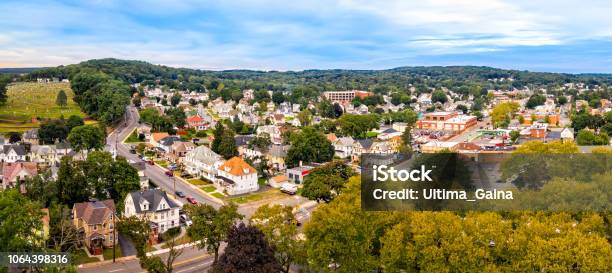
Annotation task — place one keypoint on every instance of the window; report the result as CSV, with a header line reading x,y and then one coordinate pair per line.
x,y
95,227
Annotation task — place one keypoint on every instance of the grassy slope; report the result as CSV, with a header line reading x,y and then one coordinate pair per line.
x,y
27,100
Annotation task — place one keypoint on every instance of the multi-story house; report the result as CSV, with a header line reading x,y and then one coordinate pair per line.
x,y
202,162
235,176
344,147
13,153
196,122
16,172
43,154
155,206
95,223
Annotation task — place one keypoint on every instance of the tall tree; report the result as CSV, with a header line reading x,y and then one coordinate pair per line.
x,y
277,222
218,136
307,146
87,137
227,147
247,251
20,223
4,81
61,100
210,227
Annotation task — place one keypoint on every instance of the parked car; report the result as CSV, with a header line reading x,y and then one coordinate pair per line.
x,y
289,188
133,151
180,194
169,173
185,220
150,162
192,200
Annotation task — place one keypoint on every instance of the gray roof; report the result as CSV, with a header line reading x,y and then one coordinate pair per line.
x,y
278,150
243,140
19,150
365,143
153,196
203,154
169,140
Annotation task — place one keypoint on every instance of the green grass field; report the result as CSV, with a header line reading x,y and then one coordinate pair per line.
x,y
34,100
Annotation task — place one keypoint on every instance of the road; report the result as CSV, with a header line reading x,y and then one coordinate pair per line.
x,y
192,260
153,172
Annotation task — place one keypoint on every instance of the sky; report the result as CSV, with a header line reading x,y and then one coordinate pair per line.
x,y
556,36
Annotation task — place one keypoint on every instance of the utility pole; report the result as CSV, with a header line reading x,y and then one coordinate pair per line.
x,y
114,235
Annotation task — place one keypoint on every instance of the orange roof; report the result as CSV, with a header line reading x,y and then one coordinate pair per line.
x,y
158,136
194,119
280,178
331,137
237,167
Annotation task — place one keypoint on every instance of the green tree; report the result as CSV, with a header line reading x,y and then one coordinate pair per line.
x,y
438,96
277,223
87,137
137,230
357,125
325,182
20,223
210,227
227,146
307,146
535,100
4,81
175,99
61,100
305,117
217,137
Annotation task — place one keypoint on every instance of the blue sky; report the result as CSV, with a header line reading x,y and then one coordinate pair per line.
x,y
556,36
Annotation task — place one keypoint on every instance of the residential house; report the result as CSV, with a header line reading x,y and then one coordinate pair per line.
x,y
276,156
166,143
31,136
344,147
14,173
181,148
272,131
235,176
196,122
361,146
95,223
155,206
13,153
43,154
156,138
202,162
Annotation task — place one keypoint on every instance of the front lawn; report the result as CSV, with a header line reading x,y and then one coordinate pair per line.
x,y
198,182
180,241
133,138
80,257
108,253
209,188
218,195
243,199
162,163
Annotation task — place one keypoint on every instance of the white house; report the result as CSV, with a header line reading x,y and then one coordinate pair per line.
x,y
344,146
235,176
155,206
202,162
12,153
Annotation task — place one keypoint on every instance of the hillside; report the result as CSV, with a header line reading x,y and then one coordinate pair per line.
x,y
34,100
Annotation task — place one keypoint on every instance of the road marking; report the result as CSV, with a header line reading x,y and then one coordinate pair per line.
x,y
116,270
186,261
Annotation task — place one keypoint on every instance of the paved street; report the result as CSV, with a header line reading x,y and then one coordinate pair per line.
x,y
192,260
